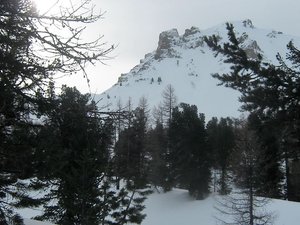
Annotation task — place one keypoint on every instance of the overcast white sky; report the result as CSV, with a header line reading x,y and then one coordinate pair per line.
x,y
134,25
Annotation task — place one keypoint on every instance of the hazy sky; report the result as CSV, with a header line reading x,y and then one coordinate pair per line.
x,y
134,26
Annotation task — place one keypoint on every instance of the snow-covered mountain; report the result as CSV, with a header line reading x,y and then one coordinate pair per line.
x,y
186,62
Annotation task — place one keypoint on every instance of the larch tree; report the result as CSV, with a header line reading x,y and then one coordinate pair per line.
x,y
169,102
244,206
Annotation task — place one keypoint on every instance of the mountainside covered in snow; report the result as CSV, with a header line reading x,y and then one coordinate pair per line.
x,y
186,62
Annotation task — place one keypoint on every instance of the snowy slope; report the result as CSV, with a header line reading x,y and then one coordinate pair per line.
x,y
177,208
185,62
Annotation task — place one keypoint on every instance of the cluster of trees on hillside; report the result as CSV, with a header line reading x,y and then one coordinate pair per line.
x,y
181,150
172,151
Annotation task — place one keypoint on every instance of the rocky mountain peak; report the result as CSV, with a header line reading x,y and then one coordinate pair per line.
x,y
186,62
166,40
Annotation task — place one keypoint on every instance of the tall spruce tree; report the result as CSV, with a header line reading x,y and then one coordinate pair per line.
x,y
75,157
270,177
221,143
159,161
189,157
130,150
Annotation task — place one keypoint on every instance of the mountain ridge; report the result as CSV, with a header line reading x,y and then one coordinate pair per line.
x,y
186,62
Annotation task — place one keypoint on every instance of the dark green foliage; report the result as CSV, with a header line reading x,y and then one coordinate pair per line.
x,y
270,91
189,157
264,87
131,154
130,150
269,163
78,167
75,157
221,142
159,168
20,74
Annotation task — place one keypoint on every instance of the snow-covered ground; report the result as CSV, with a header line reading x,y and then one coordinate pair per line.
x,y
34,222
178,208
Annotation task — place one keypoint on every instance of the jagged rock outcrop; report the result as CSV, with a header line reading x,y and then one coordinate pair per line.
x,y
251,47
253,50
166,40
193,30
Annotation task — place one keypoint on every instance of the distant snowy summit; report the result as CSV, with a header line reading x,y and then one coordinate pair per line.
x,y
186,62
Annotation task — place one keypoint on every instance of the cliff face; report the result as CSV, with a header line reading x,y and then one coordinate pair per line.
x,y
186,62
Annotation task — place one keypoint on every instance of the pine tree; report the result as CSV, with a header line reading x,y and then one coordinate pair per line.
x,y
76,155
267,90
77,166
270,177
221,142
130,150
159,163
190,164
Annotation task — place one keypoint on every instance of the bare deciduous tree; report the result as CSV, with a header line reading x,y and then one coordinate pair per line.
x,y
243,206
169,102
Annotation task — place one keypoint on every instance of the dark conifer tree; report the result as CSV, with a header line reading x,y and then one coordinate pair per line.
x,y
225,147
221,142
77,166
190,164
76,156
267,90
270,176
130,150
159,161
